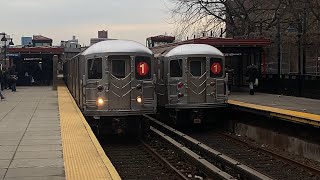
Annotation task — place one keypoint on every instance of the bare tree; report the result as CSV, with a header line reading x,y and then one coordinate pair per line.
x,y
238,17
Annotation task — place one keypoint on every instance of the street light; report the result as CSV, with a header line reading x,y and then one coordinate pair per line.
x,y
4,39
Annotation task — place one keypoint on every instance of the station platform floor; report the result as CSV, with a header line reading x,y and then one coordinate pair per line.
x,y
295,109
43,135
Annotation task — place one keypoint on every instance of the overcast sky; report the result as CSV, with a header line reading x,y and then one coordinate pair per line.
x,y
60,19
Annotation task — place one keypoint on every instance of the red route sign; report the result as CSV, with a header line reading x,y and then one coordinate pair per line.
x,y
216,68
142,68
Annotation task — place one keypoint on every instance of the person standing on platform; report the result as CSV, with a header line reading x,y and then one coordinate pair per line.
x,y
1,79
252,75
1,83
13,78
230,72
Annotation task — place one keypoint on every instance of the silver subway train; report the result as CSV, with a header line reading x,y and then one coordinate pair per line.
x,y
113,83
191,81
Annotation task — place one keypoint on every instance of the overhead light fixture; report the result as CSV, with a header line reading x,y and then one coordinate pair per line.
x,y
11,43
4,38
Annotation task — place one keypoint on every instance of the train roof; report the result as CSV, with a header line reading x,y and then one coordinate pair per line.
x,y
117,46
194,49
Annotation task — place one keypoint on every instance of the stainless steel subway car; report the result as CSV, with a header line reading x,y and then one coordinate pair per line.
x,y
111,80
191,80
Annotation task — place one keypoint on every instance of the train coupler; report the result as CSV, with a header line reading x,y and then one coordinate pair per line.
x,y
197,116
119,126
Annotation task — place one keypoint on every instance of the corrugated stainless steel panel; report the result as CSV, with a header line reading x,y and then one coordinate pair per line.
x,y
120,92
197,88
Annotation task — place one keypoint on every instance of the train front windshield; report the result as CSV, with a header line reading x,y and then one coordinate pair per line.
x,y
176,68
197,66
95,68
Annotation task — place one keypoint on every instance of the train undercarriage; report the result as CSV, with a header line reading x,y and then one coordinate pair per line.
x,y
185,117
122,125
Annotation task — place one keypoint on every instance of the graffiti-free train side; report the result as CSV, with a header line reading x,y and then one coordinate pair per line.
x,y
191,83
113,83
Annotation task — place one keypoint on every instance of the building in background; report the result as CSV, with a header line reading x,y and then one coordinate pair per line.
x,y
26,41
39,41
71,48
159,40
102,36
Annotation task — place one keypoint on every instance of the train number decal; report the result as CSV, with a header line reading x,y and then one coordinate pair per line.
x,y
216,68
143,68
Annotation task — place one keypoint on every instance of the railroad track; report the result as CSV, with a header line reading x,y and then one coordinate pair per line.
x,y
152,158
238,160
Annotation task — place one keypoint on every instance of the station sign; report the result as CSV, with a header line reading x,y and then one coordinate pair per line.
x,y
32,59
13,55
232,54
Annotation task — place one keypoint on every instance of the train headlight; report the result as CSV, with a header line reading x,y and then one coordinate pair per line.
x,y
100,102
139,99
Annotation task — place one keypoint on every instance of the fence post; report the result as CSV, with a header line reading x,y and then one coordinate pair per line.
x,y
54,72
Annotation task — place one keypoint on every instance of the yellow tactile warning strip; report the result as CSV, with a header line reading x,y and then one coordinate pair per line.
x,y
83,156
301,117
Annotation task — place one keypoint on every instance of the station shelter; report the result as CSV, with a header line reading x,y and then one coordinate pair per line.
x,y
33,64
239,54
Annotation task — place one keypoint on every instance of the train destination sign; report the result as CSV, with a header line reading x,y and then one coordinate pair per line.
x,y
216,68
142,68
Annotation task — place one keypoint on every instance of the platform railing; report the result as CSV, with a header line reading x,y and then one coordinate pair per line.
x,y
306,85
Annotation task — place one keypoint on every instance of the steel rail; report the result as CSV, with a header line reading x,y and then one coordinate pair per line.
x,y
163,161
310,169
230,162
207,167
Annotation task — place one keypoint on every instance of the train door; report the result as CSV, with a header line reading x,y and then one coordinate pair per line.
x,y
174,78
119,95
197,79
77,80
94,78
82,83
161,86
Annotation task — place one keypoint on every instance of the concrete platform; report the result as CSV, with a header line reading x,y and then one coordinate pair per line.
x,y
30,141
43,135
295,109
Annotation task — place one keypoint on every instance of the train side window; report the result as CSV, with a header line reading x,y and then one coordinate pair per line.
x,y
176,68
119,68
196,68
95,68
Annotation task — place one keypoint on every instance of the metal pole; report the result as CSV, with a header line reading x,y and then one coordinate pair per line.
x,y
299,47
279,47
5,53
304,43
54,72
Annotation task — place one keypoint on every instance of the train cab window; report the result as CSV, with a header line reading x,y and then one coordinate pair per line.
x,y
176,68
119,68
95,68
195,68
